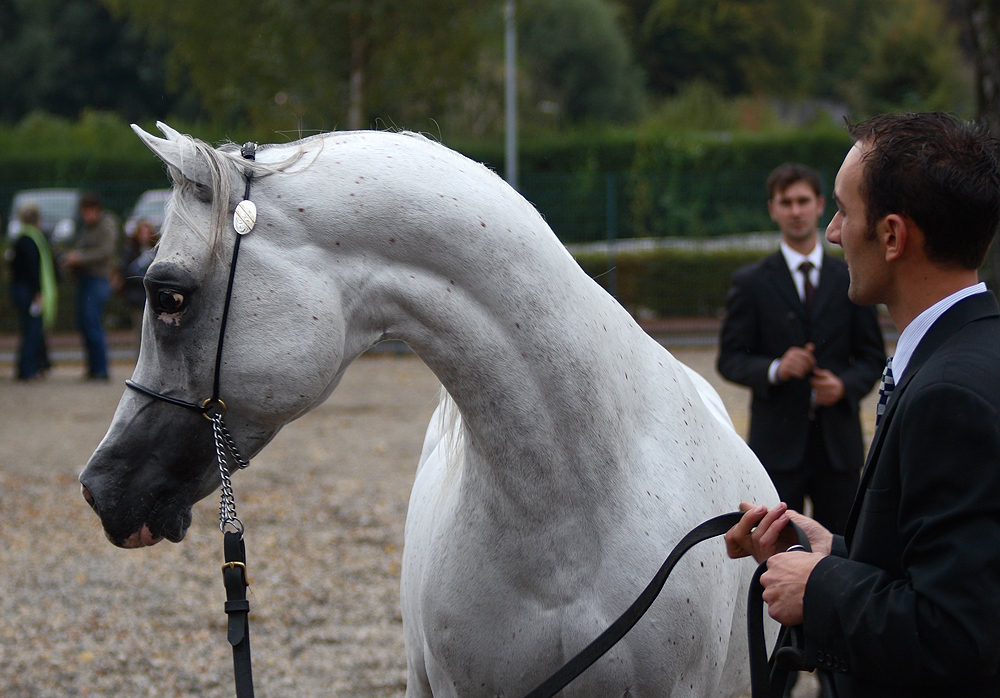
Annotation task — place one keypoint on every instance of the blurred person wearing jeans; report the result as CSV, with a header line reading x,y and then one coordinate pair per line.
x,y
93,260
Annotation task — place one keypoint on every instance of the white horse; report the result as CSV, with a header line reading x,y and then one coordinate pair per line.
x,y
569,455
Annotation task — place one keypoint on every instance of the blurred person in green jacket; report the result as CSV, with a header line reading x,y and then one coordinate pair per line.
x,y
34,292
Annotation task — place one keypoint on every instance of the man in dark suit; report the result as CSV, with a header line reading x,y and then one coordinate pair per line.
x,y
905,604
806,351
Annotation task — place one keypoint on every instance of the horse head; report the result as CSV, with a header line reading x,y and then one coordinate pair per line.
x,y
279,354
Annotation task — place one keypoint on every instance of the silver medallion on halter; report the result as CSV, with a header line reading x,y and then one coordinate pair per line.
x,y
245,216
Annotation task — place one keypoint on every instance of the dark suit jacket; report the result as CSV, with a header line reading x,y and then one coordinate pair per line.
x,y
764,318
909,605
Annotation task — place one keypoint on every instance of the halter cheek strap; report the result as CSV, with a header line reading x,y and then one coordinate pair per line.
x,y
213,405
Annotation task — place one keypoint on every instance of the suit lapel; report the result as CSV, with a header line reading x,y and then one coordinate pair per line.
x,y
876,449
827,284
965,311
781,279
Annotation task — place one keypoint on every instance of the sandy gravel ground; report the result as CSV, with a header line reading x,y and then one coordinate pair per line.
x,y
324,506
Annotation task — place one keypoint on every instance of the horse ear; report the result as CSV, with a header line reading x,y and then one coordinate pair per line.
x,y
177,151
170,133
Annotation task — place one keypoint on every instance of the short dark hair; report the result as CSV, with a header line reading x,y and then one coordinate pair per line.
x,y
29,214
940,172
90,199
784,176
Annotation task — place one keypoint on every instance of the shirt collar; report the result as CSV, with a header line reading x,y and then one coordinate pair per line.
x,y
909,338
794,259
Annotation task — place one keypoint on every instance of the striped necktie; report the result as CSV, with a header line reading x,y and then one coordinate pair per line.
x,y
884,391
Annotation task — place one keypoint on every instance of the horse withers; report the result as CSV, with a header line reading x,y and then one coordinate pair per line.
x,y
568,454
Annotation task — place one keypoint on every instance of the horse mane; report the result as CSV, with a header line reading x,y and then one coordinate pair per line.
x,y
451,426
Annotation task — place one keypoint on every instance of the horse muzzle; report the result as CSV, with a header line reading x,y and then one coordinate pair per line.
x,y
128,532
141,538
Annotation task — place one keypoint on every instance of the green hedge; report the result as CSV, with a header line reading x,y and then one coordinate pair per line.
x,y
668,283
632,184
684,283
590,184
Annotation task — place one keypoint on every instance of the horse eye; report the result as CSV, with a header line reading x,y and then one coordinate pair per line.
x,y
170,301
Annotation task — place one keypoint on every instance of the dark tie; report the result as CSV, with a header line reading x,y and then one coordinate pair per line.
x,y
884,390
808,288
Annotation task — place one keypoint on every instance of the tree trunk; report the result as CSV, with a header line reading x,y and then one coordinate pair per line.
x,y
983,24
355,107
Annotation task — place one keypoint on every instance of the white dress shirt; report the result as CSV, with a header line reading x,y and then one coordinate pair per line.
x,y
794,260
911,335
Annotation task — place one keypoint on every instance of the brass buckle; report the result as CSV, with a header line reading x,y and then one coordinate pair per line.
x,y
241,566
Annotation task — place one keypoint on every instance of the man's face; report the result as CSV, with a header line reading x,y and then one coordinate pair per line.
x,y
90,214
796,209
849,229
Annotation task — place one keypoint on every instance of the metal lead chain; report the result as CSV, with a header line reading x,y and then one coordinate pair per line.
x,y
231,446
227,500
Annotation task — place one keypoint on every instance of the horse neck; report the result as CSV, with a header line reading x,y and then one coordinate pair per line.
x,y
534,353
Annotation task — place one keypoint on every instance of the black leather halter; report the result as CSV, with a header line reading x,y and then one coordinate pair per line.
x,y
213,405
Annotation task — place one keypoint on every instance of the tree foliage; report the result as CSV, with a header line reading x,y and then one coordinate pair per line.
x,y
740,46
326,64
63,57
437,65
981,20
308,62
896,54
580,59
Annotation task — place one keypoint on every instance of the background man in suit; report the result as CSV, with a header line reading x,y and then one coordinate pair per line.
x,y
905,604
808,353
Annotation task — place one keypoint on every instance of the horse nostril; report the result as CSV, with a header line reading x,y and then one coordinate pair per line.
x,y
88,496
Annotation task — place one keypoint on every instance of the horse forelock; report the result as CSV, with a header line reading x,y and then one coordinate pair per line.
x,y
220,162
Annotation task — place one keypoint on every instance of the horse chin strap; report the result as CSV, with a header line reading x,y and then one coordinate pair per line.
x,y
234,571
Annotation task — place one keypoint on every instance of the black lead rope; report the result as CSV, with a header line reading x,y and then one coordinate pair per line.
x,y
234,571
766,681
769,676
234,576
249,152
610,637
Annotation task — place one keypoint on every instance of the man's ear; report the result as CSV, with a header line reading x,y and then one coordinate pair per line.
x,y
894,232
